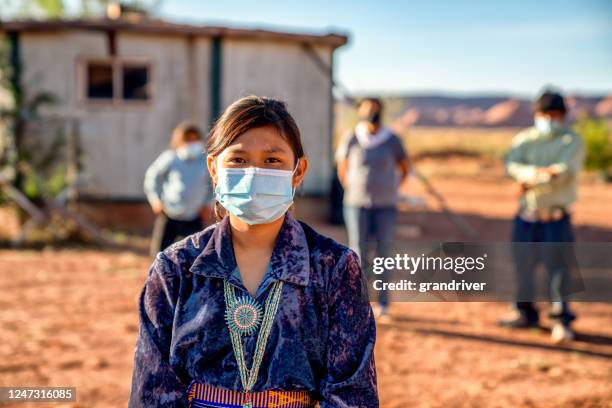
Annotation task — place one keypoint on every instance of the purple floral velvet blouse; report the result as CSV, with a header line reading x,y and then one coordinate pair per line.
x,y
322,339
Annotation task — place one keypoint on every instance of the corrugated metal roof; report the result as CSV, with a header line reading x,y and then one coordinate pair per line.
x,y
155,26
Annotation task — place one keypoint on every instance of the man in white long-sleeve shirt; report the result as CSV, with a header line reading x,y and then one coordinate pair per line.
x,y
545,161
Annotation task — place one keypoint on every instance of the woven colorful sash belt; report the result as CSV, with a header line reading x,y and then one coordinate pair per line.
x,y
206,396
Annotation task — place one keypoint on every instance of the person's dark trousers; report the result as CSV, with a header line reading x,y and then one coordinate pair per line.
x,y
367,226
167,231
556,259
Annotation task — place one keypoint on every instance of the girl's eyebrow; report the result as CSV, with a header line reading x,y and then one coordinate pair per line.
x,y
273,149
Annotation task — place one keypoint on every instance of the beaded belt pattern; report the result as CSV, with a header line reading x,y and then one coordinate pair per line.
x,y
202,395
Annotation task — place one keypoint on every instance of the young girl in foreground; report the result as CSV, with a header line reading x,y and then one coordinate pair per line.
x,y
257,310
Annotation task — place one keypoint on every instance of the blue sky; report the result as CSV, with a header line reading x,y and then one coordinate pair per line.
x,y
515,47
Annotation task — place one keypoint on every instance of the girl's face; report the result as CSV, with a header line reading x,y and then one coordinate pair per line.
x,y
262,147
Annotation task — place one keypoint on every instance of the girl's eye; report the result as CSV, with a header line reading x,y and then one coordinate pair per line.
x,y
238,160
273,160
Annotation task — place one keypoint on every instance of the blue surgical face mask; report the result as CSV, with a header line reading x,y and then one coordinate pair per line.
x,y
547,126
253,194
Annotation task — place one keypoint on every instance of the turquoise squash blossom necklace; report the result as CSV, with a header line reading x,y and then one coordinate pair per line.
x,y
243,316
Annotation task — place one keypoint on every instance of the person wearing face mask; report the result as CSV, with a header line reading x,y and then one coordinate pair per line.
x,y
258,310
545,161
372,164
178,188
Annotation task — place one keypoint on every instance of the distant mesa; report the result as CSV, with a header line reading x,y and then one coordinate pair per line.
x,y
435,110
512,112
604,107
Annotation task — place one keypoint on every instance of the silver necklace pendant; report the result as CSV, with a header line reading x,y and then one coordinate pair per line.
x,y
243,316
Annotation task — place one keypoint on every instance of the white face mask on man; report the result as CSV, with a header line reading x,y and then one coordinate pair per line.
x,y
546,126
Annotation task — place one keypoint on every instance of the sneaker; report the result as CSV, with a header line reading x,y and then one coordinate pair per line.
x,y
562,333
518,321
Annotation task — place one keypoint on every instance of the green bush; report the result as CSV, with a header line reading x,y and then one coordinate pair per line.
x,y
598,143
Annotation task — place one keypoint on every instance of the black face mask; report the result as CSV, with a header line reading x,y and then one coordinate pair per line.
x,y
373,118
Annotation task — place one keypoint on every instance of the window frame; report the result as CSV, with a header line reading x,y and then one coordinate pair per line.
x,y
117,64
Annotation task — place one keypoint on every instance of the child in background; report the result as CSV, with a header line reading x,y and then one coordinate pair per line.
x,y
177,185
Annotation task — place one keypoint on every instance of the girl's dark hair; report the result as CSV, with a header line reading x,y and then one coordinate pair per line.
x,y
248,113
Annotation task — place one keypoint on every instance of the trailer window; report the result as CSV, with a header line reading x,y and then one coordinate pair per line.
x,y
100,81
116,81
135,82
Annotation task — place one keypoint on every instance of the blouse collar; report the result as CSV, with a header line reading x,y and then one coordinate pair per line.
x,y
289,261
